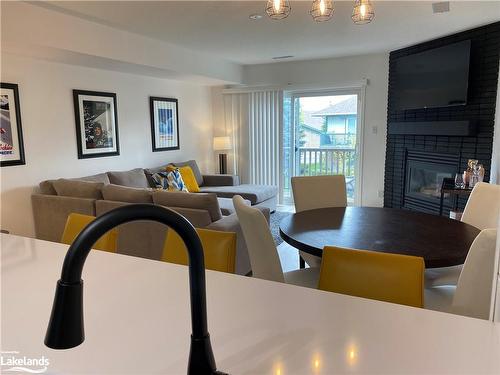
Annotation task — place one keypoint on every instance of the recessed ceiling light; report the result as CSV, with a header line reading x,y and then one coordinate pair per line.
x,y
282,57
255,16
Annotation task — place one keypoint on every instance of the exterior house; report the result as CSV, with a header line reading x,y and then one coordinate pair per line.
x,y
339,123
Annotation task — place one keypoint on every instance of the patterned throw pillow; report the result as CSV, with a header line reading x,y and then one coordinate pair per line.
x,y
187,176
169,181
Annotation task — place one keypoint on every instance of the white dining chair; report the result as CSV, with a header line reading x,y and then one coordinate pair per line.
x,y
310,192
474,293
263,254
481,211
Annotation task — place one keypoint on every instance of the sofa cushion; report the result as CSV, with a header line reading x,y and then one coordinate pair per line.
x,y
133,178
254,193
171,180
227,207
100,177
47,187
199,201
195,169
119,193
149,172
78,189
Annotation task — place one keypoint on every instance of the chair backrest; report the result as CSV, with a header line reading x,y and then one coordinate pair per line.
x,y
474,294
310,192
75,224
219,249
483,207
381,276
262,251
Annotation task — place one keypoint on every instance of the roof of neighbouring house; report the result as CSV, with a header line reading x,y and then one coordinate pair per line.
x,y
312,121
345,107
312,129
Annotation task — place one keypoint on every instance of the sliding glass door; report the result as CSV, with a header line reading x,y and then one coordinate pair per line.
x,y
322,137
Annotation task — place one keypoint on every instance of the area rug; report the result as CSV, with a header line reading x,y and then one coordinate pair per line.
x,y
274,224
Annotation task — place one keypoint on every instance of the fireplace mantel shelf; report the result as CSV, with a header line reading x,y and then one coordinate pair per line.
x,y
461,128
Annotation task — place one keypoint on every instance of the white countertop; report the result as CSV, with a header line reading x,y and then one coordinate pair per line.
x,y
137,322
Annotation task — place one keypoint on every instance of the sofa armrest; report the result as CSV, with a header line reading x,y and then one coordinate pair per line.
x,y
50,213
220,180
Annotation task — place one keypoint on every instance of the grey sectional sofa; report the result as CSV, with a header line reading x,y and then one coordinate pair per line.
x,y
94,195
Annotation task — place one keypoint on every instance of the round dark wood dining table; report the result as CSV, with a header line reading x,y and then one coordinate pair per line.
x,y
440,241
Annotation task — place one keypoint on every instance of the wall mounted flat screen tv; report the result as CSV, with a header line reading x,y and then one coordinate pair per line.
x,y
435,78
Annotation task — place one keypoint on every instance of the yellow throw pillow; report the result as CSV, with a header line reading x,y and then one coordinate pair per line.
x,y
187,176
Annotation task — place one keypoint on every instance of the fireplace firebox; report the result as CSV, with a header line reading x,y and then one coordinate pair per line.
x,y
424,174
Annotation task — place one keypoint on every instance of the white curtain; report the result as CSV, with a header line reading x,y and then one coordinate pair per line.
x,y
254,120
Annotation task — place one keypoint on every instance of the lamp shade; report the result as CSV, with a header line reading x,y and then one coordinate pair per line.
x,y
222,143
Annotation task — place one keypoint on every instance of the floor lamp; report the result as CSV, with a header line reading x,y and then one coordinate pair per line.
x,y
222,144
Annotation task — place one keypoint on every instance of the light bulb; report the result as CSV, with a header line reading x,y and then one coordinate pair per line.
x,y
362,10
322,7
277,5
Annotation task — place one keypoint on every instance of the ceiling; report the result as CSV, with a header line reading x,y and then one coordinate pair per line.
x,y
223,28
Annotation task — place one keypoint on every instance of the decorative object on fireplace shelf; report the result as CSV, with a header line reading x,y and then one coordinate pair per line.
x,y
222,144
459,181
473,174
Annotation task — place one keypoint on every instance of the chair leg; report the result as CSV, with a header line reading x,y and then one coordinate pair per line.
x,y
302,263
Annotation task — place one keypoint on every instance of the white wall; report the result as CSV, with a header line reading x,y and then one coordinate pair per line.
x,y
48,121
335,73
31,29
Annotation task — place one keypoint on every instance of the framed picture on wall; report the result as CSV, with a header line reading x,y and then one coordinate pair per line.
x,y
96,124
164,123
11,133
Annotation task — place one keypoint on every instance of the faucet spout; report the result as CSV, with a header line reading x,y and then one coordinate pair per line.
x,y
66,328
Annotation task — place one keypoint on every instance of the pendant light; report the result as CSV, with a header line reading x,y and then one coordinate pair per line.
x,y
278,9
363,12
322,10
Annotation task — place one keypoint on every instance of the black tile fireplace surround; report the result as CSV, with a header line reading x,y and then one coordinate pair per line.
x,y
454,134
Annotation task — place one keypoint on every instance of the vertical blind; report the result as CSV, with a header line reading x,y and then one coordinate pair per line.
x,y
265,112
255,119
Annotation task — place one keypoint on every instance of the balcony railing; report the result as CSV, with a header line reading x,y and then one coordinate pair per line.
x,y
319,161
315,161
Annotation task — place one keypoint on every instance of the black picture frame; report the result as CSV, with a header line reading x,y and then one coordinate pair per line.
x,y
15,132
170,141
88,146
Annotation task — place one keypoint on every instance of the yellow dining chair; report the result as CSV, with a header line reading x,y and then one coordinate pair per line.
x,y
219,249
380,276
75,224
